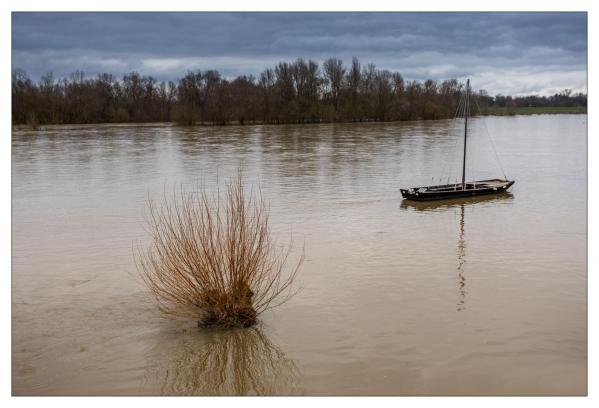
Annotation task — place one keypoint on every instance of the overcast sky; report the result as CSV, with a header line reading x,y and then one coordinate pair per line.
x,y
508,53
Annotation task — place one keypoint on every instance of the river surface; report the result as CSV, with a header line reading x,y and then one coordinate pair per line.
x,y
483,296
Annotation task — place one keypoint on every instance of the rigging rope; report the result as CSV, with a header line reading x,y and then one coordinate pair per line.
x,y
491,139
463,109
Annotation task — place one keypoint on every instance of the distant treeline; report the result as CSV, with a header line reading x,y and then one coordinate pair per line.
x,y
563,99
297,92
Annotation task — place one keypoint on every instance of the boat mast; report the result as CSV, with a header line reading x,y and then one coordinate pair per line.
x,y
466,111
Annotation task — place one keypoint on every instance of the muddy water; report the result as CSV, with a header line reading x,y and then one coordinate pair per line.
x,y
480,296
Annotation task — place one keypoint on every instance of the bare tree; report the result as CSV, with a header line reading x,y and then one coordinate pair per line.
x,y
334,73
213,258
290,93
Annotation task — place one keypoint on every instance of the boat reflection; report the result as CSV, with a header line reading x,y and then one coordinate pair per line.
x,y
224,362
439,205
461,204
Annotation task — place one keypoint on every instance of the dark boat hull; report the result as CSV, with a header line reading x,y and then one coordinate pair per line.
x,y
446,191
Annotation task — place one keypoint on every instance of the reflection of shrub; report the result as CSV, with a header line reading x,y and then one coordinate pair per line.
x,y
213,258
223,362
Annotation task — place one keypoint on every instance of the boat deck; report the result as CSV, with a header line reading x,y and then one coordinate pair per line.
x,y
496,183
471,185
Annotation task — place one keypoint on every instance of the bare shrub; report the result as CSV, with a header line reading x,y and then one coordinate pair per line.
x,y
213,257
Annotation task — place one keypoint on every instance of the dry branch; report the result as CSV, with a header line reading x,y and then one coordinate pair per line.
x,y
213,257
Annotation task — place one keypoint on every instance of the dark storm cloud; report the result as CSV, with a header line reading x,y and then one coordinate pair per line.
x,y
503,52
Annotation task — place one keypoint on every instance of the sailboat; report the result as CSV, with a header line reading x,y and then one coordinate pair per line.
x,y
463,189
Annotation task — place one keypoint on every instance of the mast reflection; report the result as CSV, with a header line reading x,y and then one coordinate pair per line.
x,y
461,261
446,205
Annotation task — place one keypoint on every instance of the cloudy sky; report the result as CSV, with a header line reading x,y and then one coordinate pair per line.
x,y
508,53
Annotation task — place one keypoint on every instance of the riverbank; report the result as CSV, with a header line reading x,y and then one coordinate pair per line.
x,y
496,111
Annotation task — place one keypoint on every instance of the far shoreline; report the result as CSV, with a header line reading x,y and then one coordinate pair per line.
x,y
498,111
533,110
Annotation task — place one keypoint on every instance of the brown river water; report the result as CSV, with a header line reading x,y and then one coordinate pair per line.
x,y
479,296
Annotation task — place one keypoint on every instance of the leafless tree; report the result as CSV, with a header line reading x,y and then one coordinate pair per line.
x,y
213,258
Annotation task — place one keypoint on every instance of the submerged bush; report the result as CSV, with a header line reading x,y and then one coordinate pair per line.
x,y
213,257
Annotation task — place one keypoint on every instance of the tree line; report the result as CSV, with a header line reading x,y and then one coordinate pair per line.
x,y
565,98
291,92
